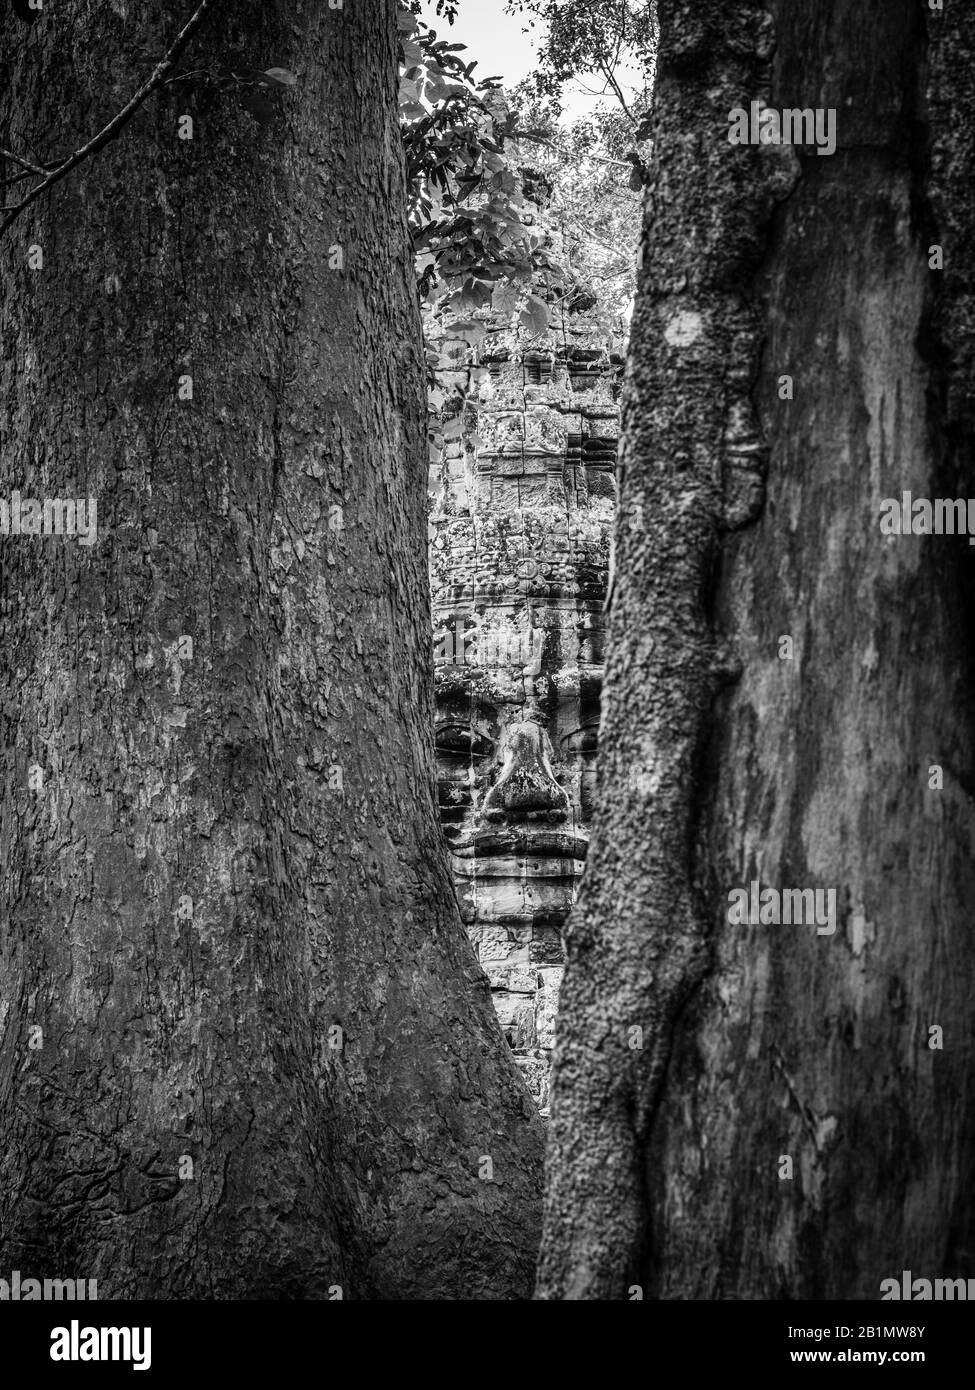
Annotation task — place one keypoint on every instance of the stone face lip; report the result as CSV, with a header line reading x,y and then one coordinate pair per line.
x,y
530,841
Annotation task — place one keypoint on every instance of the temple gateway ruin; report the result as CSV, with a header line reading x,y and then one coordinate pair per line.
x,y
522,499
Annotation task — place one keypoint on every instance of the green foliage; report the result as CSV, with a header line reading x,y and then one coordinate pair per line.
x,y
281,77
512,210
252,87
593,206
475,227
611,40
446,8
502,192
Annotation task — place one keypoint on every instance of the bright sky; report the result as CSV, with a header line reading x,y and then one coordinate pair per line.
x,y
501,45
494,37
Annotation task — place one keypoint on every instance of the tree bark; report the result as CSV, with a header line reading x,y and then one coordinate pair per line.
x,y
225,903
694,1056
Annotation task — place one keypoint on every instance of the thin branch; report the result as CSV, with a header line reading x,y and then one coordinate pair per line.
x,y
116,124
185,76
607,72
24,163
540,140
18,178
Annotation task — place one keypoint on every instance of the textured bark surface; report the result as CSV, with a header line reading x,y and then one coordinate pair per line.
x,y
232,856
761,1042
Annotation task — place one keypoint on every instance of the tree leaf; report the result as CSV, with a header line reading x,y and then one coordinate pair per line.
x,y
534,316
470,331
281,76
505,300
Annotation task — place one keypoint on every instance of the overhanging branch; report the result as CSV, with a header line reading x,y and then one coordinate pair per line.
x,y
115,125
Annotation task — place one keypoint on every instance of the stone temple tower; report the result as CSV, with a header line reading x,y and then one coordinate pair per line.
x,y
521,514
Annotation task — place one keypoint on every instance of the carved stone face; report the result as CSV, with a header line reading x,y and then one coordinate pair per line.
x,y
518,604
520,535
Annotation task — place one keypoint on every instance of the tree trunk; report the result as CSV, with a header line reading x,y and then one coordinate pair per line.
x,y
246,1049
763,1111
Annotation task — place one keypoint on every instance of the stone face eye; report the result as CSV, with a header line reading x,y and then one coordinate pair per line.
x,y
459,740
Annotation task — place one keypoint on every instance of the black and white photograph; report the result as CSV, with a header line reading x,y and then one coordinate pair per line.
x,y
487,672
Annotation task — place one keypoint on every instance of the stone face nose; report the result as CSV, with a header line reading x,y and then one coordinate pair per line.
x,y
526,787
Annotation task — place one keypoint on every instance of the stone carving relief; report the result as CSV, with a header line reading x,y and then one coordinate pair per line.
x,y
520,535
